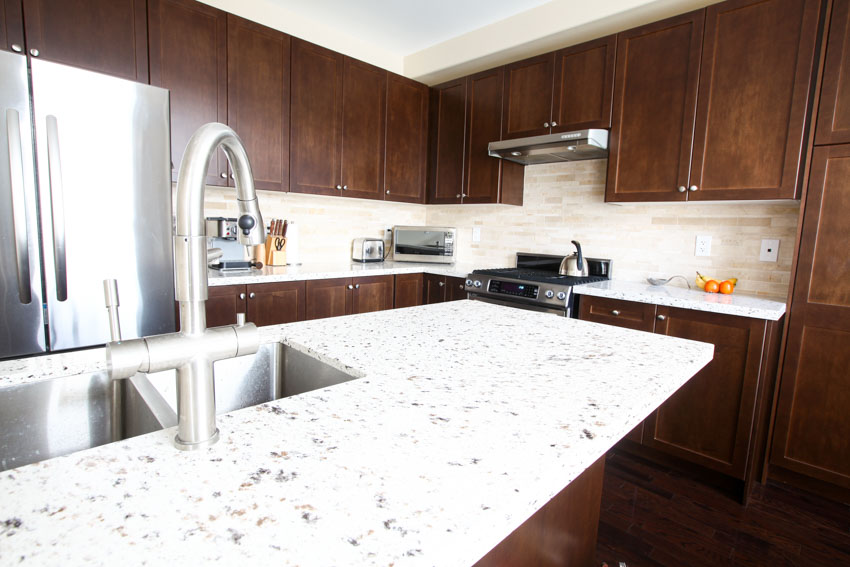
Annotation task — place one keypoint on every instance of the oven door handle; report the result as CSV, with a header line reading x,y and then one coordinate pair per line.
x,y
516,304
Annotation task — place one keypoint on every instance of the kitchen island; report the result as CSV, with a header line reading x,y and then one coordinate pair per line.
x,y
466,419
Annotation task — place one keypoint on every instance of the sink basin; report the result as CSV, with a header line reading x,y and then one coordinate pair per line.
x,y
47,419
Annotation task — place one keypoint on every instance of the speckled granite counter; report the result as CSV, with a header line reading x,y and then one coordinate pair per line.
x,y
319,271
468,419
734,304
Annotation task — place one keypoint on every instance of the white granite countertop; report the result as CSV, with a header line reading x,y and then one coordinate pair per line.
x,y
328,270
733,304
468,418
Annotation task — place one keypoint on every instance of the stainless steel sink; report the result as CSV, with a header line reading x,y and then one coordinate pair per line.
x,y
56,417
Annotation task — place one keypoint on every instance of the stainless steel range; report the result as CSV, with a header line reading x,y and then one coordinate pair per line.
x,y
534,284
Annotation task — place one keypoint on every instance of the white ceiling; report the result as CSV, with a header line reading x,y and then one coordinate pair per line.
x,y
403,27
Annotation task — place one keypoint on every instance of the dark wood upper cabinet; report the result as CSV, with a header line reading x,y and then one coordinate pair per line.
x,y
372,293
316,119
408,290
258,98
812,426
405,158
364,89
755,79
107,36
12,26
655,93
447,123
833,121
527,103
188,56
483,117
584,85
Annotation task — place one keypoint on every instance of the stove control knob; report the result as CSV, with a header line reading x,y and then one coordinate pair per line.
x,y
469,283
476,283
550,294
561,295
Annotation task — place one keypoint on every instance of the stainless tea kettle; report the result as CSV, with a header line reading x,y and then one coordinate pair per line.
x,y
574,264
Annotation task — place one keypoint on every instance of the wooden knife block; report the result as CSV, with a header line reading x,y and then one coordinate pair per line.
x,y
275,250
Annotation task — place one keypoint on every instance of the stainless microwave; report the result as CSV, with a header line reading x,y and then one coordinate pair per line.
x,y
424,244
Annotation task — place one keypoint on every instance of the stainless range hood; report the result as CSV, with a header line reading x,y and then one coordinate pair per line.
x,y
553,148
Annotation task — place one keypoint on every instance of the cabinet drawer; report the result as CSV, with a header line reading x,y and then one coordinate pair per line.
x,y
628,314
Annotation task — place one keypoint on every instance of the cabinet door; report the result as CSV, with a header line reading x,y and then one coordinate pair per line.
x,y
276,303
223,303
710,420
655,92
455,288
11,26
584,85
754,88
258,98
328,298
408,290
373,293
435,289
483,118
188,56
107,36
446,124
364,110
405,157
316,119
627,314
812,428
833,125
527,103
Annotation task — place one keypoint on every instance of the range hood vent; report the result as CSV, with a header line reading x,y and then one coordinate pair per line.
x,y
553,148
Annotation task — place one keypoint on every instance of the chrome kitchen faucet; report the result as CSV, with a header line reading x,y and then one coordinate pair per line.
x,y
193,349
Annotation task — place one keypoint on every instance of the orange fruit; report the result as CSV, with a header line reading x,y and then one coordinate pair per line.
x,y
711,286
727,287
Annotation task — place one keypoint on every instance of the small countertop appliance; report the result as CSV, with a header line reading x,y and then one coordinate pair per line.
x,y
367,250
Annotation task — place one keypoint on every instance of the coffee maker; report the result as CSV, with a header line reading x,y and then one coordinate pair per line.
x,y
224,252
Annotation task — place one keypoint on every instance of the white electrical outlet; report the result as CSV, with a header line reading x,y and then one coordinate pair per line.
x,y
769,250
703,245
476,234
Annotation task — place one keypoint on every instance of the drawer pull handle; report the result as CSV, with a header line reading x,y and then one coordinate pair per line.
x,y
615,312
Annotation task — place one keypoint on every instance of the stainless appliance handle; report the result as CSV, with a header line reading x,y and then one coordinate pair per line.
x,y
19,211
57,208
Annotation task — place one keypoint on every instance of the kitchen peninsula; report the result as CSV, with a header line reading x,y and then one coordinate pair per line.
x,y
467,418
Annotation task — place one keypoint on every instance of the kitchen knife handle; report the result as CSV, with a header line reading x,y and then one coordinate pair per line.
x,y
57,207
19,204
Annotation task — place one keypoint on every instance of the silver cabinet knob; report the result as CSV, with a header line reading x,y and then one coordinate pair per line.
x,y
16,47
233,176
554,124
457,196
682,189
241,296
345,187
34,52
224,176
441,284
252,295
350,286
545,124
693,188
464,195
339,187
615,312
460,286
550,294
661,317
388,191
356,286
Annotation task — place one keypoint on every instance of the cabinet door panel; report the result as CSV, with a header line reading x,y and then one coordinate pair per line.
x,y
447,124
364,111
709,420
833,126
223,303
276,303
258,98
754,88
812,428
316,119
328,298
655,92
628,314
455,289
373,293
584,83
483,115
188,56
435,289
408,290
405,158
12,25
527,103
107,36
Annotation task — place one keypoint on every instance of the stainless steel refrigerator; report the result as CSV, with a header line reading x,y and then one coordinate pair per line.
x,y
85,195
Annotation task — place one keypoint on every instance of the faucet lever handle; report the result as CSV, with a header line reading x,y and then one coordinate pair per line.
x,y
240,319
110,296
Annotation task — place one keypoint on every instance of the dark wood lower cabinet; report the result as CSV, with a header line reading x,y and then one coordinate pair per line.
x,y
328,298
373,293
435,289
408,290
276,303
223,303
455,288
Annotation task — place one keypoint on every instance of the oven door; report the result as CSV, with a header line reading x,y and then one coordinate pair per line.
x,y
528,307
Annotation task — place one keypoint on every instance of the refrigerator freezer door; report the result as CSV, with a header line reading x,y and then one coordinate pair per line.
x,y
102,147
21,317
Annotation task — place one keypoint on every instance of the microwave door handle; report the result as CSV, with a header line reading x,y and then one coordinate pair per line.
x,y
57,207
19,204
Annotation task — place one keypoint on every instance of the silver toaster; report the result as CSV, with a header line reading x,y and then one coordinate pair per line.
x,y
367,250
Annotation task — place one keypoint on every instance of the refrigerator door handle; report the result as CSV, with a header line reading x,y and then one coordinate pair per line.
x,y
57,207
19,211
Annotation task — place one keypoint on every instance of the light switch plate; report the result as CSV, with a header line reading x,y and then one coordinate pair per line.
x,y
769,250
703,245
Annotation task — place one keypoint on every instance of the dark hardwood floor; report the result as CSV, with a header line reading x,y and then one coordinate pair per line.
x,y
652,516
